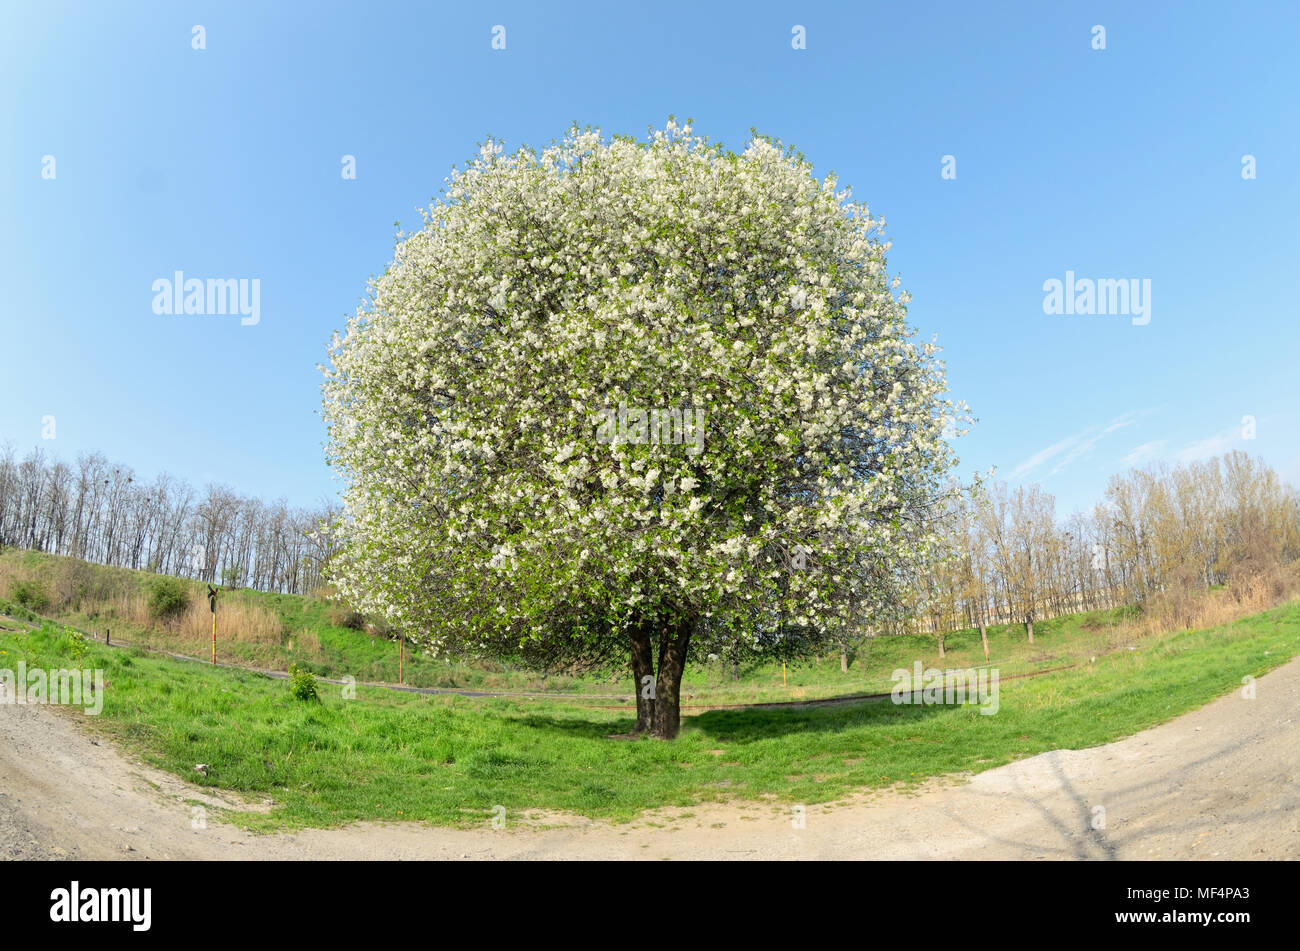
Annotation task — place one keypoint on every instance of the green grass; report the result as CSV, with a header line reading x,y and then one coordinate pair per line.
x,y
449,760
347,652
342,652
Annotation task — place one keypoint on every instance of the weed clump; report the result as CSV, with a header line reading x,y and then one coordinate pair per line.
x,y
302,685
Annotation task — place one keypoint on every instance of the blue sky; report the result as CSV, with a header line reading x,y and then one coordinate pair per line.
x,y
225,162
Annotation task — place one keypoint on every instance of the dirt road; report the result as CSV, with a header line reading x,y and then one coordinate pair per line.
x,y
1221,782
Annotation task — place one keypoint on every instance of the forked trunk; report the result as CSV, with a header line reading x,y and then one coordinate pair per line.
x,y
674,640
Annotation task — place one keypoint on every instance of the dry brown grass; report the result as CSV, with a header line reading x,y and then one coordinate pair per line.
x,y
70,584
115,596
236,621
1183,609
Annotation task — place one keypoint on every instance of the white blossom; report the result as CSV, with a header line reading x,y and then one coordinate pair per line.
x,y
547,286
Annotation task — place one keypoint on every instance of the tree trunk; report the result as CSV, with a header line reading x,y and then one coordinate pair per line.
x,y
673,643
1029,628
844,658
984,636
941,646
642,667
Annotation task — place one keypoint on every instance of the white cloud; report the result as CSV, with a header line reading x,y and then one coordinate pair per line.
x,y
1085,446
1148,450
1038,458
1214,445
1076,446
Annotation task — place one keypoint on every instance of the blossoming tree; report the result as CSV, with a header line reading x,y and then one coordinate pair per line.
x,y
635,401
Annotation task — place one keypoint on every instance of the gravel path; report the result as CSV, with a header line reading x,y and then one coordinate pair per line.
x,y
1221,782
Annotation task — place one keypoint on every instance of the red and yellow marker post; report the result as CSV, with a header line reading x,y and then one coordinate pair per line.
x,y
212,604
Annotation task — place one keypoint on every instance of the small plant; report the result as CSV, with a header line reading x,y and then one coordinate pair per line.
x,y
31,595
168,598
76,644
302,684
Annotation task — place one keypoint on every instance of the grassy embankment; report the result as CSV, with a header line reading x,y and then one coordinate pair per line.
x,y
272,631
450,760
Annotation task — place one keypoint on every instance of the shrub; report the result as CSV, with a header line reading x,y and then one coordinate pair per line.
x,y
31,595
302,684
74,581
168,598
17,611
340,615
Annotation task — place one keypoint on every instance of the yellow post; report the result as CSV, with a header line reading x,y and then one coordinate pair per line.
x,y
212,606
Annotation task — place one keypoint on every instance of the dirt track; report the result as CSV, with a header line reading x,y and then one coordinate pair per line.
x,y
1221,782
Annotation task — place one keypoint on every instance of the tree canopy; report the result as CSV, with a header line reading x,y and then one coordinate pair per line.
x,y
621,396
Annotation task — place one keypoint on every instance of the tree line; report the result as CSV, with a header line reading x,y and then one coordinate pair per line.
x,y
1161,535
102,512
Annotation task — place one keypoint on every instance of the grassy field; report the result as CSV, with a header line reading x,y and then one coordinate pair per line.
x,y
254,628
450,760
272,631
